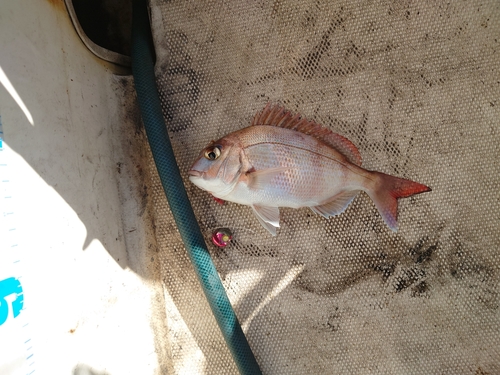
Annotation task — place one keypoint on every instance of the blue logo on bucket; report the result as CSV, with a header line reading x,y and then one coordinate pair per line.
x,y
1,134
8,287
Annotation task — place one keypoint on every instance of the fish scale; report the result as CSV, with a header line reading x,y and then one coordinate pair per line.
x,y
292,187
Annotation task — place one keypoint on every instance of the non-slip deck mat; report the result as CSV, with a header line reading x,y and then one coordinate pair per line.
x,y
416,87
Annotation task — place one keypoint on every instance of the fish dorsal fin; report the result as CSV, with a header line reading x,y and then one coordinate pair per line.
x,y
276,115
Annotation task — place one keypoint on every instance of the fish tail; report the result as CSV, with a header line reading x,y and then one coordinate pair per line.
x,y
387,190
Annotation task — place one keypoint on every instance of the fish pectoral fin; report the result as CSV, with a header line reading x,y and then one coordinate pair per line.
x,y
337,205
269,217
260,179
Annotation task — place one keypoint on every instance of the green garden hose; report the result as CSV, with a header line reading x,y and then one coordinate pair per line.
x,y
161,148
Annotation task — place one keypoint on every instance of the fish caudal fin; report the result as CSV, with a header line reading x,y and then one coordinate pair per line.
x,y
388,189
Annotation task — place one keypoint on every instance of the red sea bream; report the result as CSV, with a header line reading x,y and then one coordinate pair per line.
x,y
283,160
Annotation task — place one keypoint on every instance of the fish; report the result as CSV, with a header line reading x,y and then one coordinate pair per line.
x,y
285,160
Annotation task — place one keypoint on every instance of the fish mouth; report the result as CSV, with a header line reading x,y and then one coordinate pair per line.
x,y
197,178
193,173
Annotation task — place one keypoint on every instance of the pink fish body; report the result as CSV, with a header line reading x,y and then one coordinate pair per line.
x,y
283,160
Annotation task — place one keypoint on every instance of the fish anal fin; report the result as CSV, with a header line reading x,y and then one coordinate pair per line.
x,y
276,115
269,217
337,205
261,179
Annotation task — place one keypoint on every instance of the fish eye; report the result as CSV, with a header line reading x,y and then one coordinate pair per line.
x,y
212,153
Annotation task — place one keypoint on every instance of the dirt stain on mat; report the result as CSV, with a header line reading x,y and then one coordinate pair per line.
x,y
57,4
